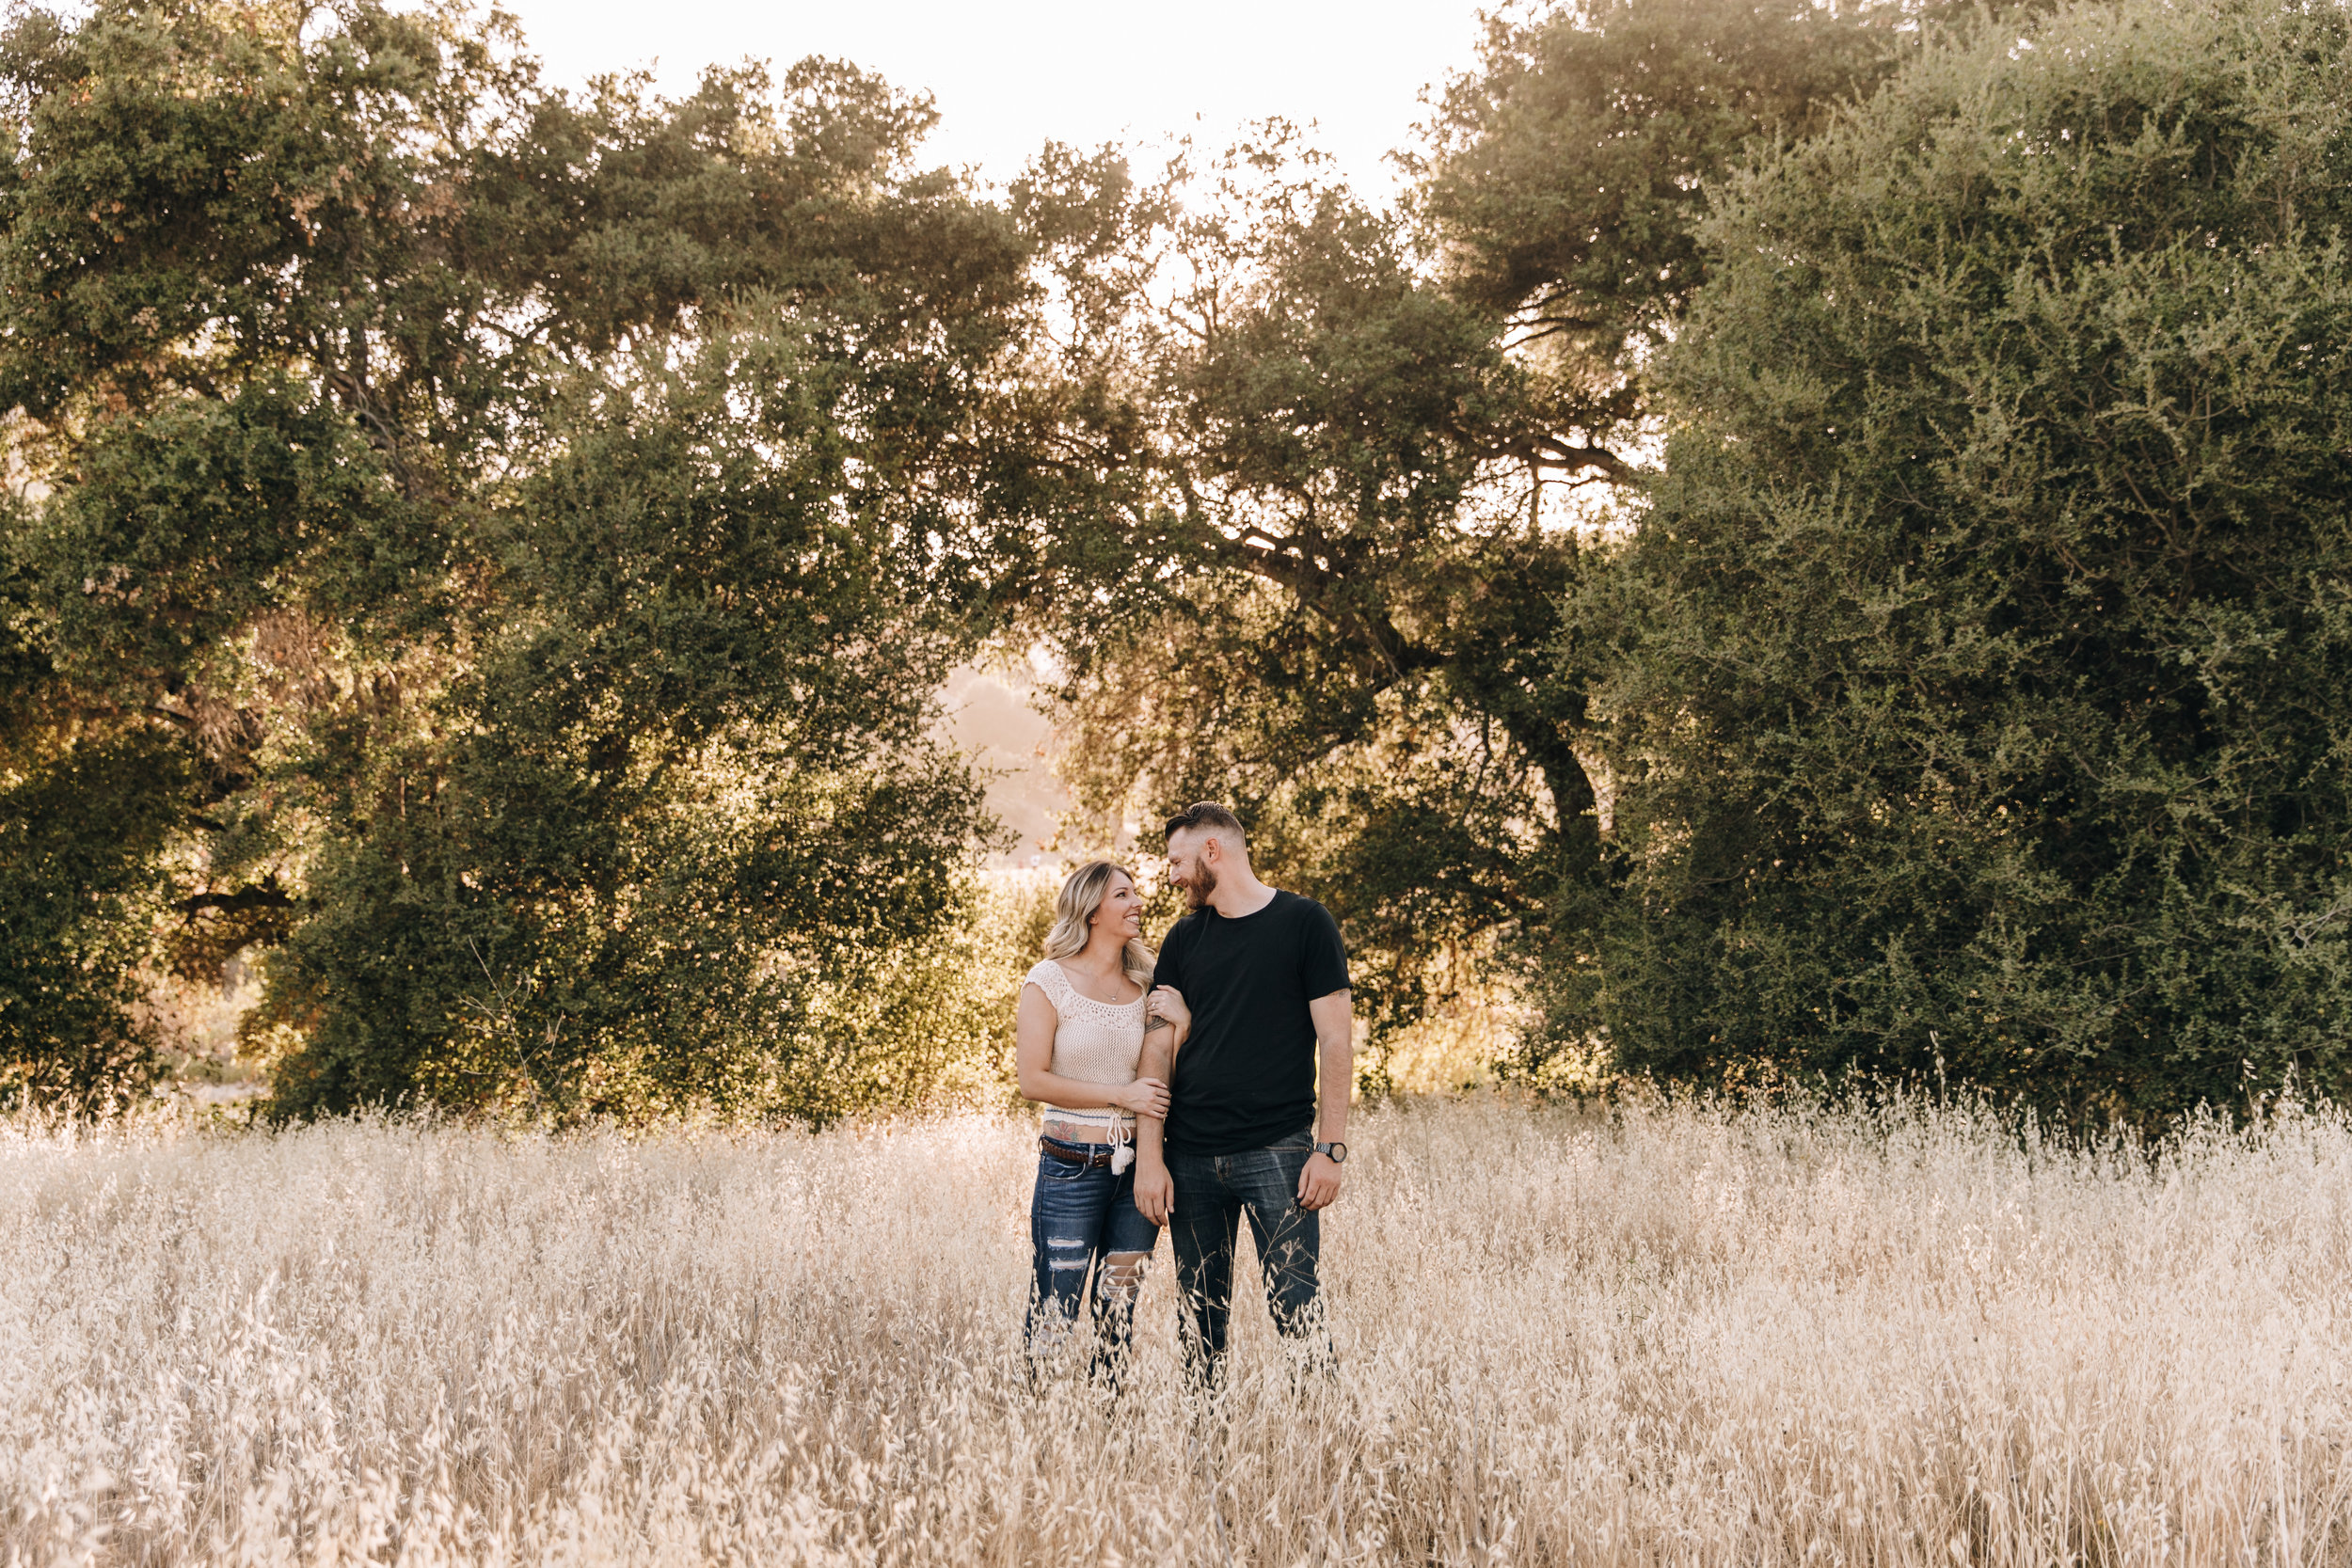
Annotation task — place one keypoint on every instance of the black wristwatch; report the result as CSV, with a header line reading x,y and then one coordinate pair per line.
x,y
1336,1153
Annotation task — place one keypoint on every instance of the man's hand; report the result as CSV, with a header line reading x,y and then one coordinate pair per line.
x,y
1319,1184
1155,1191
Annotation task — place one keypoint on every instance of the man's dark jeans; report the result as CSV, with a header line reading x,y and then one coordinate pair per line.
x,y
1213,1192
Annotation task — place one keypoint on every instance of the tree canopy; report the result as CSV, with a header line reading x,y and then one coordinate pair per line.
x,y
1294,597
1565,180
496,545
1809,540
1334,513
1979,664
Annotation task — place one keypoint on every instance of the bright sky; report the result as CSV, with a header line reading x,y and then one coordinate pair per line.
x,y
1010,74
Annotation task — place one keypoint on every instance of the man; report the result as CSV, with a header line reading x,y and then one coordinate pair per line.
x,y
1255,981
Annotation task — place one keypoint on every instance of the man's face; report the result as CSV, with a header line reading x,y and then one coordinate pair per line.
x,y
1188,864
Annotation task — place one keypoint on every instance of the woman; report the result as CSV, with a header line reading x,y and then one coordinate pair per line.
x,y
1084,1052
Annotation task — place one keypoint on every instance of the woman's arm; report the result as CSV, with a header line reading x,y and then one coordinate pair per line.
x,y
1033,1049
1167,1005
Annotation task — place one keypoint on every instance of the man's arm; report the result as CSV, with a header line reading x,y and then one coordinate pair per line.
x,y
1335,1043
1155,1192
1167,1024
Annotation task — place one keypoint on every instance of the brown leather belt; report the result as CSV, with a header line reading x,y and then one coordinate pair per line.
x,y
1067,1153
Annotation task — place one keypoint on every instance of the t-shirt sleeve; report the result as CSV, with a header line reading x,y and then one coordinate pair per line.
x,y
1323,957
1047,977
1168,970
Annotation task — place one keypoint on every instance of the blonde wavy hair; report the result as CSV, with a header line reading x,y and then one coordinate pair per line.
x,y
1073,919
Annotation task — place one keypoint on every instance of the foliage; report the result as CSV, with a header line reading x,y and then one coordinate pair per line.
x,y
492,550
499,545
81,833
1566,181
925,1024
1331,448
1284,590
1980,692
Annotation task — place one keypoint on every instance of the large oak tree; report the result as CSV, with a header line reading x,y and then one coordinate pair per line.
x,y
1979,667
493,547
1339,451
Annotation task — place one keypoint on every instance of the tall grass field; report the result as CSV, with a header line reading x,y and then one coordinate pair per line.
x,y
1682,1335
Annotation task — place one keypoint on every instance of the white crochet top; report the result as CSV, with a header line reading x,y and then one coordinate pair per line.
x,y
1096,1043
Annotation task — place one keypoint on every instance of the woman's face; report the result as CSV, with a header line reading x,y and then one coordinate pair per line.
x,y
1120,914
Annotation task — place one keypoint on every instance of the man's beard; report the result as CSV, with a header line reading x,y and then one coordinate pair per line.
x,y
1201,883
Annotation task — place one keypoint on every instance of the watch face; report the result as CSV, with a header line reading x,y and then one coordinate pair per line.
x,y
1339,1154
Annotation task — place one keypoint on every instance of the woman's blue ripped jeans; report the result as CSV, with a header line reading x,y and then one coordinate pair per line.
x,y
1079,1216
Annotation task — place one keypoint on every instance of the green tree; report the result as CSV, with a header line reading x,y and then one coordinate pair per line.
x,y
496,542
1331,448
1980,692
1563,183
1287,590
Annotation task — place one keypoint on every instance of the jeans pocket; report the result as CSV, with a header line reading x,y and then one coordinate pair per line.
x,y
1049,1169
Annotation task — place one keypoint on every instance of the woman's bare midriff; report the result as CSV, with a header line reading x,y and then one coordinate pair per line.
x,y
1076,1132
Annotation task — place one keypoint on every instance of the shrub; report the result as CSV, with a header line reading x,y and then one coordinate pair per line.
x,y
1979,700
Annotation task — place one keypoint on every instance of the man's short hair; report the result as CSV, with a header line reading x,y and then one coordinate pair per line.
x,y
1209,816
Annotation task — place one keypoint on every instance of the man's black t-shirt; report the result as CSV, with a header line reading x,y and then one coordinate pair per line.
x,y
1246,1075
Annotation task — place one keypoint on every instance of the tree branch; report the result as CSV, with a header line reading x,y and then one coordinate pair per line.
x,y
264,894
1550,451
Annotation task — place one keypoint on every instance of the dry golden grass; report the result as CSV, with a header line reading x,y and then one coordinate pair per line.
x,y
1679,1336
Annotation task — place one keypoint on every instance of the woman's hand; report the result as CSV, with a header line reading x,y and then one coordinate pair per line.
x,y
1168,1006
1145,1096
